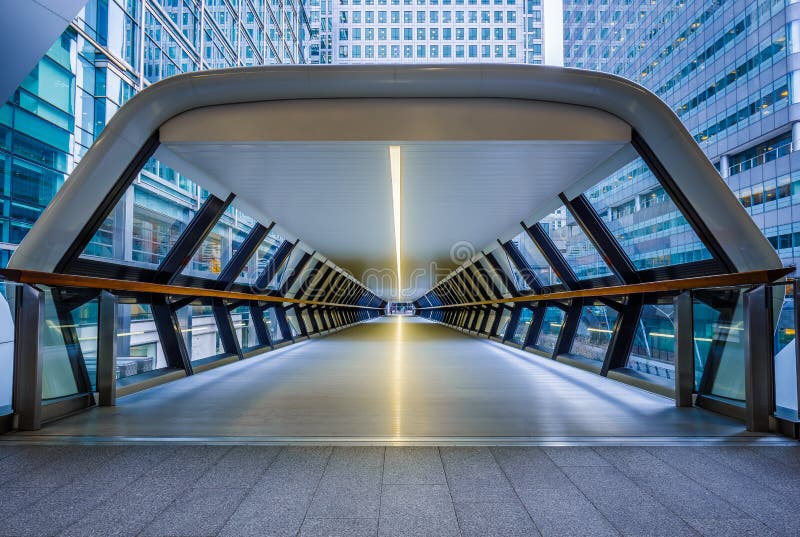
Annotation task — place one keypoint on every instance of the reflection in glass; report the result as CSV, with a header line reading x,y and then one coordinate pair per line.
x,y
146,223
243,325
653,350
259,261
510,269
594,332
551,327
8,293
58,379
294,325
220,245
138,347
535,260
644,219
719,341
199,331
785,352
524,323
273,327
503,324
574,245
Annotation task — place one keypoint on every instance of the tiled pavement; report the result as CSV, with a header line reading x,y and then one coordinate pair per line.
x,y
262,491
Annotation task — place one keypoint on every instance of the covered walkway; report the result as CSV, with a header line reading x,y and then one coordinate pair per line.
x,y
395,380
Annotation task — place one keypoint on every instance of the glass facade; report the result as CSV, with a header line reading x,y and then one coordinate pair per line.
x,y
724,68
432,31
113,49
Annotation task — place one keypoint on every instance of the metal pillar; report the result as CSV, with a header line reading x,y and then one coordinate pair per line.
x,y
758,358
28,360
684,349
107,349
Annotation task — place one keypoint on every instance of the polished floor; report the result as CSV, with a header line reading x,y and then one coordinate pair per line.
x,y
323,491
396,380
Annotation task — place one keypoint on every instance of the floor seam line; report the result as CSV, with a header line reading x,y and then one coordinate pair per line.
x,y
316,489
574,484
449,491
249,491
516,494
743,510
380,495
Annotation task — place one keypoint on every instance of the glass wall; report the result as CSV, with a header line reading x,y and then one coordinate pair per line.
x,y
551,328
594,332
785,352
653,350
8,296
199,331
574,245
145,224
220,245
524,323
535,260
138,347
245,331
644,219
273,327
719,340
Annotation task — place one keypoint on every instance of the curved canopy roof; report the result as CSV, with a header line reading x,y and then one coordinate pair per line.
x,y
483,148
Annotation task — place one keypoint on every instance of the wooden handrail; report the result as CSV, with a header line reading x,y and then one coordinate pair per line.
x,y
755,277
34,277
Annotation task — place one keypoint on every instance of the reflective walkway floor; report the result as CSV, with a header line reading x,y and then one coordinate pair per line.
x,y
263,491
396,380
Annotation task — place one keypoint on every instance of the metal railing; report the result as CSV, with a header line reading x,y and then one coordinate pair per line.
x,y
70,342
730,344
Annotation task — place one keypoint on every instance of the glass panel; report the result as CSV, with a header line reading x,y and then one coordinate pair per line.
x,y
243,325
199,330
286,270
488,271
489,321
521,329
594,332
58,379
503,324
138,347
85,319
551,328
291,319
220,245
148,219
653,350
510,269
274,329
644,219
785,353
724,326
8,293
535,260
574,245
258,262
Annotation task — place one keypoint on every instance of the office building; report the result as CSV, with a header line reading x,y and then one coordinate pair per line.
x,y
726,69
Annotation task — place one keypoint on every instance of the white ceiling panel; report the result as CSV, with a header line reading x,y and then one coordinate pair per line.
x,y
336,196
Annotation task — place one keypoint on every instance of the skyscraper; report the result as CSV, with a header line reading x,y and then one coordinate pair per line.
x,y
725,67
442,31
112,50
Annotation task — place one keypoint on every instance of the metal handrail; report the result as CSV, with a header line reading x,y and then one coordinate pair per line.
x,y
755,277
33,277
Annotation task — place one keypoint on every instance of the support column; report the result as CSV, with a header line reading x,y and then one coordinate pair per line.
x,y
28,360
684,349
107,349
758,358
